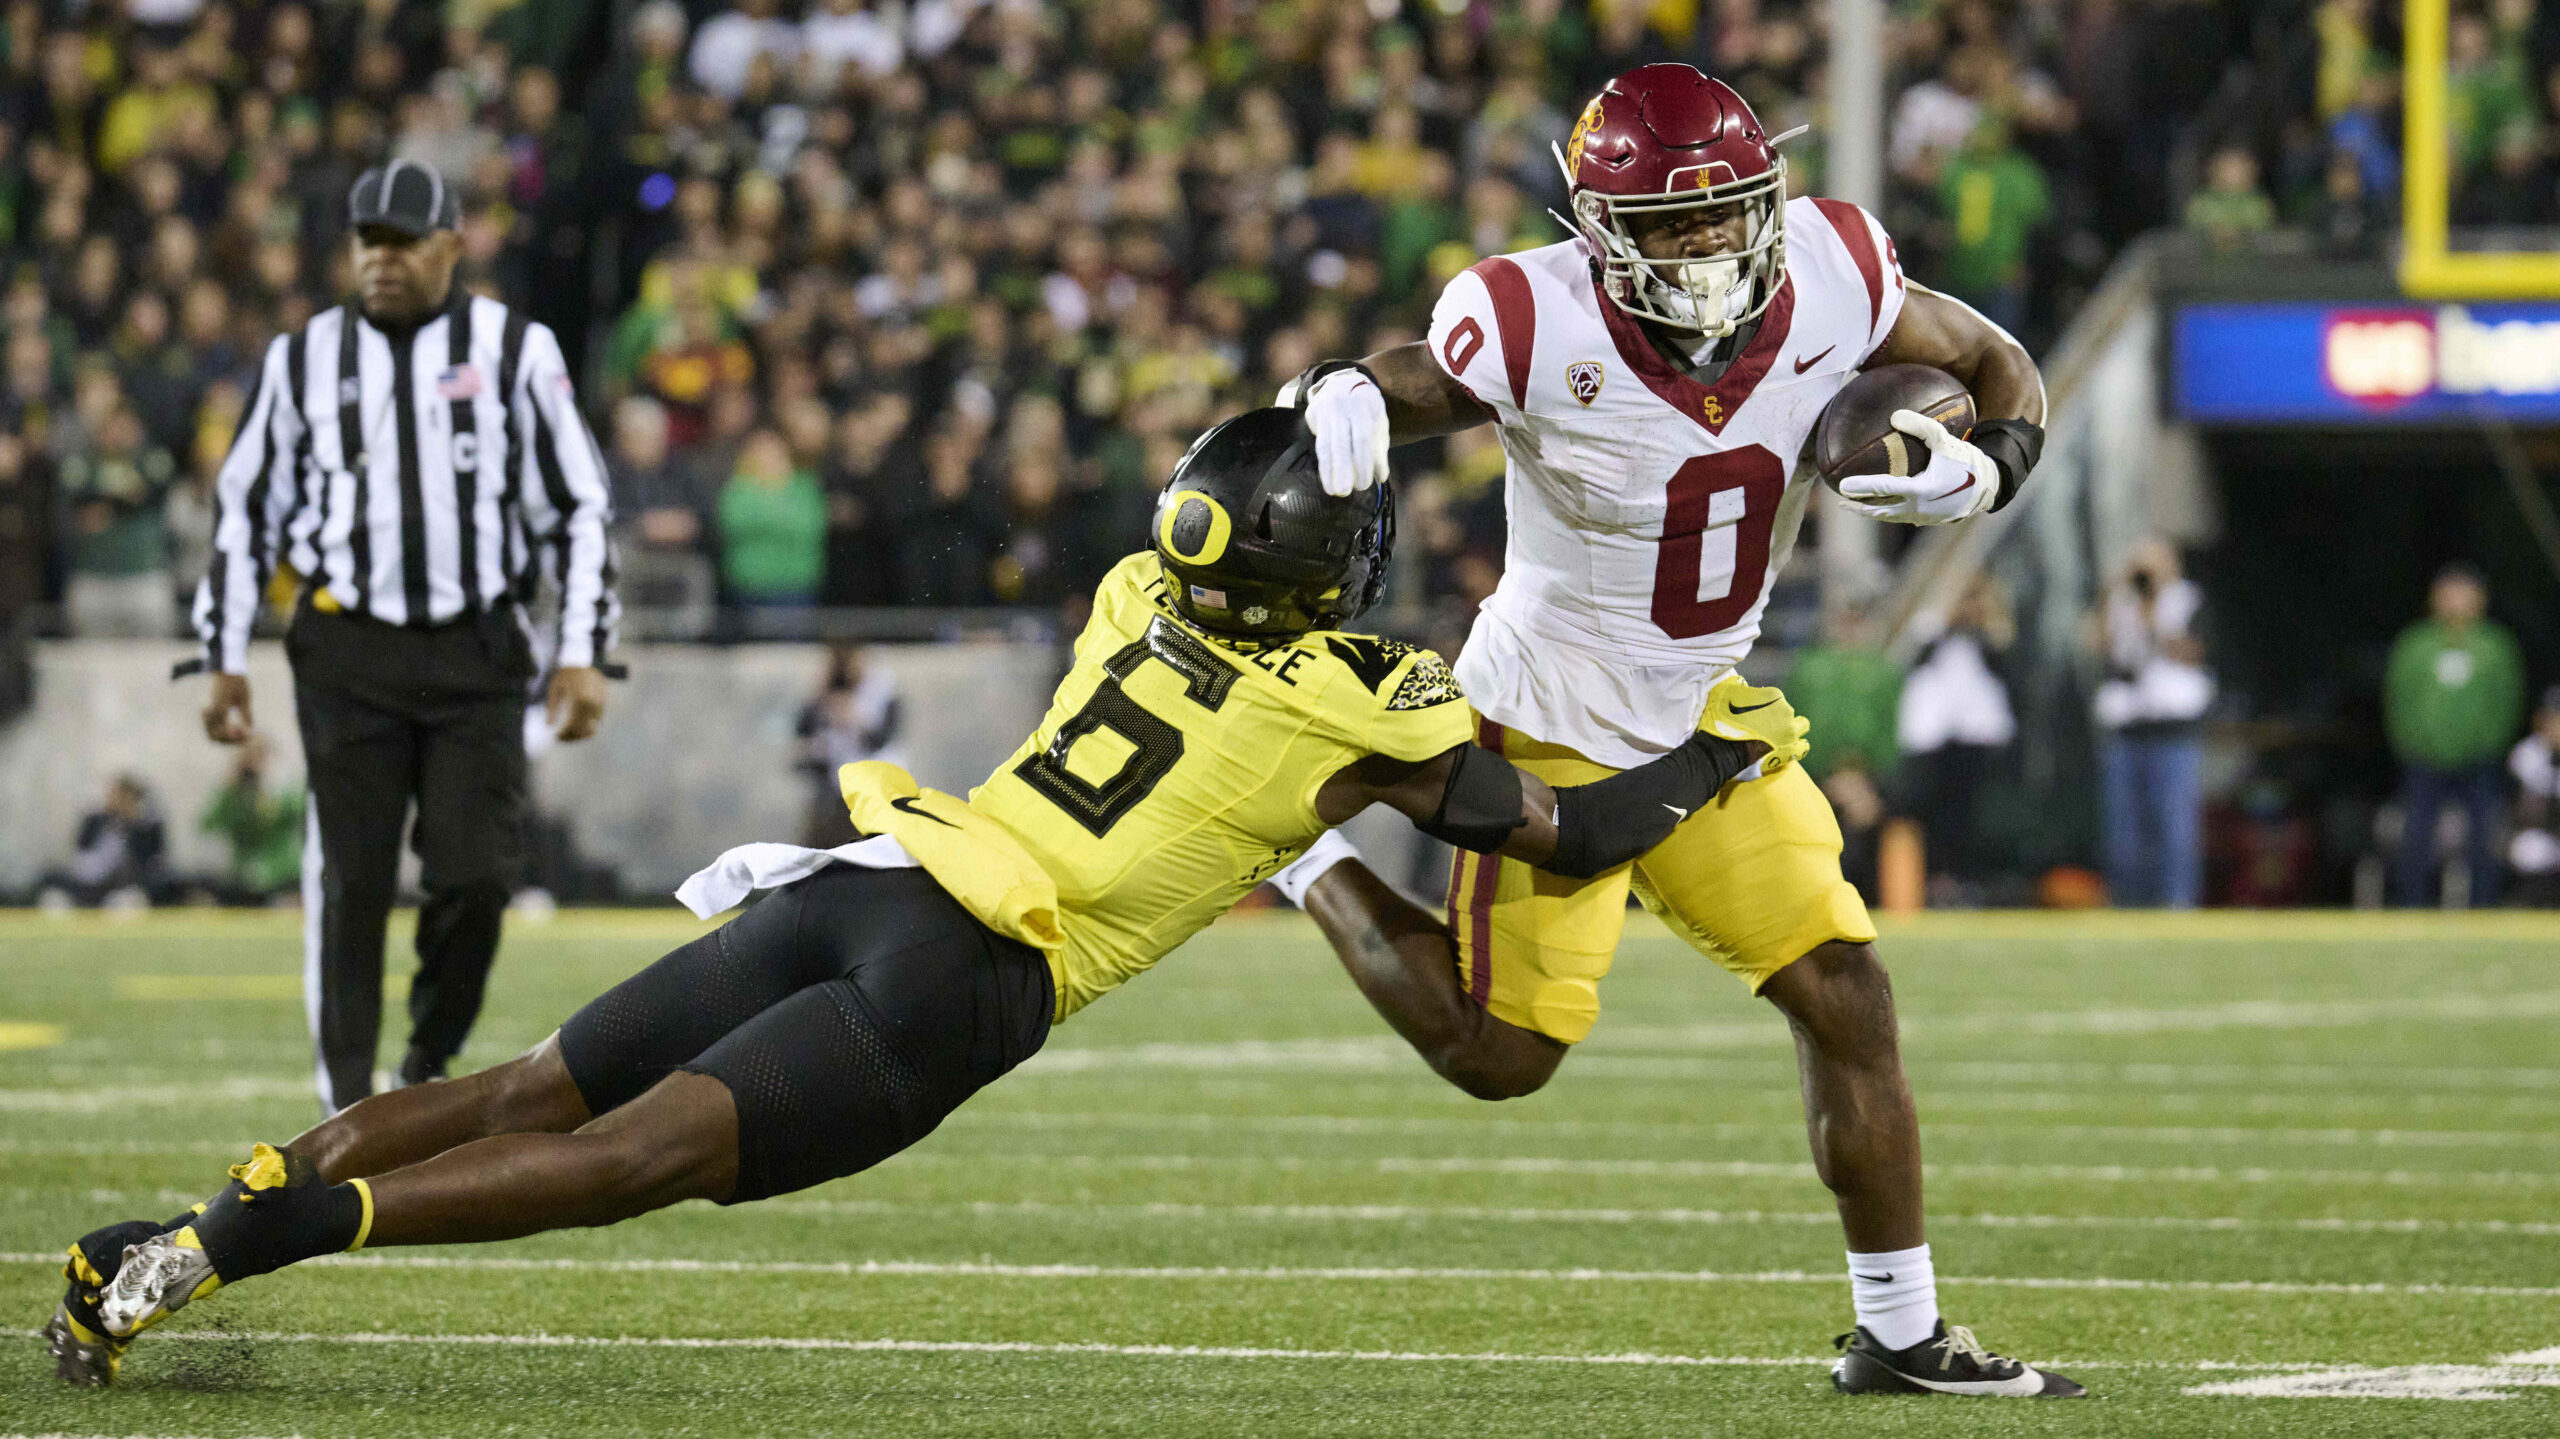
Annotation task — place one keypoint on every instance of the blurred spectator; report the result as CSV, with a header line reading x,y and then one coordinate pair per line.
x,y
664,509
728,47
2487,85
2535,762
115,485
773,528
944,537
842,33
1852,691
2452,698
262,825
121,852
2150,712
857,716
2349,219
871,458
1952,721
26,527
2231,207
1993,198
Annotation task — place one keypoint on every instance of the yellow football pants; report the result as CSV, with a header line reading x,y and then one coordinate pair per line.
x,y
1752,881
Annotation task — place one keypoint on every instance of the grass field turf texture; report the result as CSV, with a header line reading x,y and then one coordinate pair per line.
x,y
2278,1152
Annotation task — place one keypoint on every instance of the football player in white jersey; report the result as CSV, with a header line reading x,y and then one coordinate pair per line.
x,y
1654,380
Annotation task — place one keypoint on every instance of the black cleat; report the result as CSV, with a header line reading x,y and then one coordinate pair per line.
x,y
420,1067
84,1354
1949,1361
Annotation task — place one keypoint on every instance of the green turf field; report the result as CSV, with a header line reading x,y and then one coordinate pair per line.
x,y
2312,1155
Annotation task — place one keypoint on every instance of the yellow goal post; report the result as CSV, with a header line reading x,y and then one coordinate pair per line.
x,y
2429,268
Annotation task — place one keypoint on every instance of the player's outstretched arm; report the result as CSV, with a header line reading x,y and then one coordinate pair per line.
x,y
1423,400
1477,800
1358,409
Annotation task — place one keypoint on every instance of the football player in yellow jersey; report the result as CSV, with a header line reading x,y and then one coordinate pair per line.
x,y
1215,722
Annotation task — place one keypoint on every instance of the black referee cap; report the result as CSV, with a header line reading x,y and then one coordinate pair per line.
x,y
405,196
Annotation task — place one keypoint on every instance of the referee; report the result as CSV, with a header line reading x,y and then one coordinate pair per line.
x,y
416,456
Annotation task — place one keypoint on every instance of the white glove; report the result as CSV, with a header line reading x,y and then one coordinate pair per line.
x,y
1349,418
1959,480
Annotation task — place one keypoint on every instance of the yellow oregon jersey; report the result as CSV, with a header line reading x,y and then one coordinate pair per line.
x,y
1174,773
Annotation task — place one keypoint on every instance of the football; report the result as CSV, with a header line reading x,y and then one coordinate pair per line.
x,y
1855,434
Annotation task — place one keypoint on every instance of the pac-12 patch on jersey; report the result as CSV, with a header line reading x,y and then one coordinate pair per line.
x,y
1583,378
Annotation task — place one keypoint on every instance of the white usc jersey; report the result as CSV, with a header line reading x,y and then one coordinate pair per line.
x,y
1648,512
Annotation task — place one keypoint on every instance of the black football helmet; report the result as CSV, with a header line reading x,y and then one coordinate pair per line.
x,y
1254,549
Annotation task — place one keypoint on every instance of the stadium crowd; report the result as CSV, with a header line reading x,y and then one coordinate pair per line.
x,y
913,304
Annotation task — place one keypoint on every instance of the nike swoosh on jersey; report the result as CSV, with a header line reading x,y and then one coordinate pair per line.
x,y
906,804
1677,810
1811,361
1747,709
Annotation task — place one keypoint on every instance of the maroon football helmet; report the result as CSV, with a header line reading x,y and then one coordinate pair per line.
x,y
1667,137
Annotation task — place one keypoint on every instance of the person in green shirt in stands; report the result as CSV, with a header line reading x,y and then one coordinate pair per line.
x,y
2452,699
263,825
773,527
1993,198
1853,690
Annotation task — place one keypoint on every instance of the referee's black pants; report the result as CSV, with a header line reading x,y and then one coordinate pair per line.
x,y
390,716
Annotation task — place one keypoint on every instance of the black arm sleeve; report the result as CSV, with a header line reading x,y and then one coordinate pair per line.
x,y
1603,825
2014,446
1480,806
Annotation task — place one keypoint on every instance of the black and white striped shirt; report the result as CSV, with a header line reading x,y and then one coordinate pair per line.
x,y
417,476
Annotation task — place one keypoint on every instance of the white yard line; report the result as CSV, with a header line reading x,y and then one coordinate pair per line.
x,y
800,1343
109,1098
1817,1219
1349,1124
2472,1382
1538,1164
1500,1214
1743,1169
1383,1052
1386,1274
991,1346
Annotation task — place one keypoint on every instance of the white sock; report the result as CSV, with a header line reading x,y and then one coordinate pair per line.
x,y
1329,850
1896,1295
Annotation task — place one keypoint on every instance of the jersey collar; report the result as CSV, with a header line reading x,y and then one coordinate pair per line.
x,y
1712,406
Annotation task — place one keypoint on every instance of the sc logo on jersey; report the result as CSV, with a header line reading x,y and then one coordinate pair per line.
x,y
1583,378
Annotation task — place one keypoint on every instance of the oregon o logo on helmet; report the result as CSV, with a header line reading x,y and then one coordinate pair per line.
x,y
1212,545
